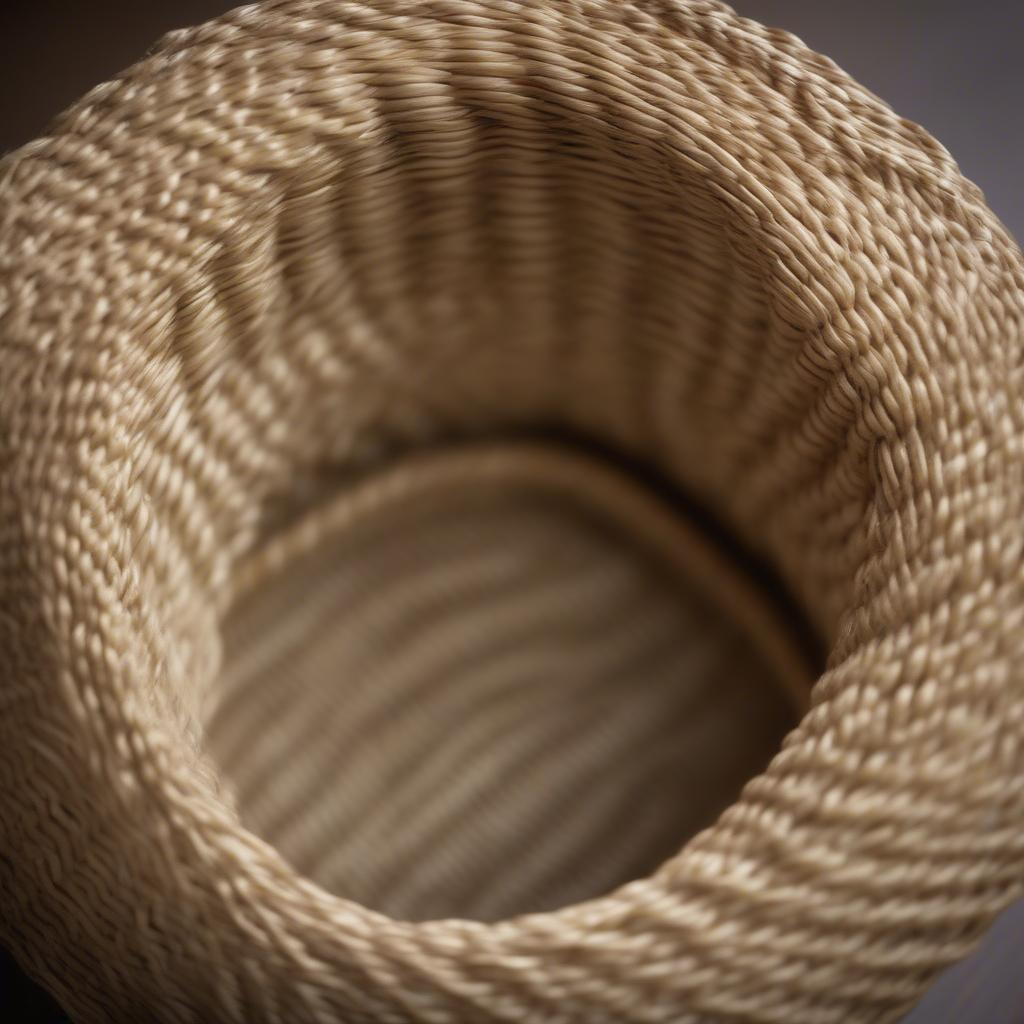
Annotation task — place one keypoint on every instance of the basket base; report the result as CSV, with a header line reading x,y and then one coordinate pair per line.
x,y
496,680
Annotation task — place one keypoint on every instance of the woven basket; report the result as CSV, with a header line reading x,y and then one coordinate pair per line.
x,y
413,418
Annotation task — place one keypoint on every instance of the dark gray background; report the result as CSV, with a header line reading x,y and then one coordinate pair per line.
x,y
956,67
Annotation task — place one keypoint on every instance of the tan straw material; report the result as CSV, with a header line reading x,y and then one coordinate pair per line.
x,y
398,402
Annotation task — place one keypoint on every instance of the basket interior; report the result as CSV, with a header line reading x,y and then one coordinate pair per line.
x,y
401,715
493,695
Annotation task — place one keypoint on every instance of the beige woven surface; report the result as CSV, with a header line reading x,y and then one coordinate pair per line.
x,y
295,248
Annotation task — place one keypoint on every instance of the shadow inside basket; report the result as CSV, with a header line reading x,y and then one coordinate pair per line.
x,y
504,655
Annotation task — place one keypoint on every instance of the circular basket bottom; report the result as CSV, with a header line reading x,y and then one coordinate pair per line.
x,y
495,680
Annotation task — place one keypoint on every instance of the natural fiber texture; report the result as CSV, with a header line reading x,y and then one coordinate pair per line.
x,y
283,649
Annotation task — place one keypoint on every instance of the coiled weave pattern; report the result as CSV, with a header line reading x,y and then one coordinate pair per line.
x,y
294,245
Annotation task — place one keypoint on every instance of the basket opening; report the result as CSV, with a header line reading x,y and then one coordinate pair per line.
x,y
472,273
493,656
435,276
